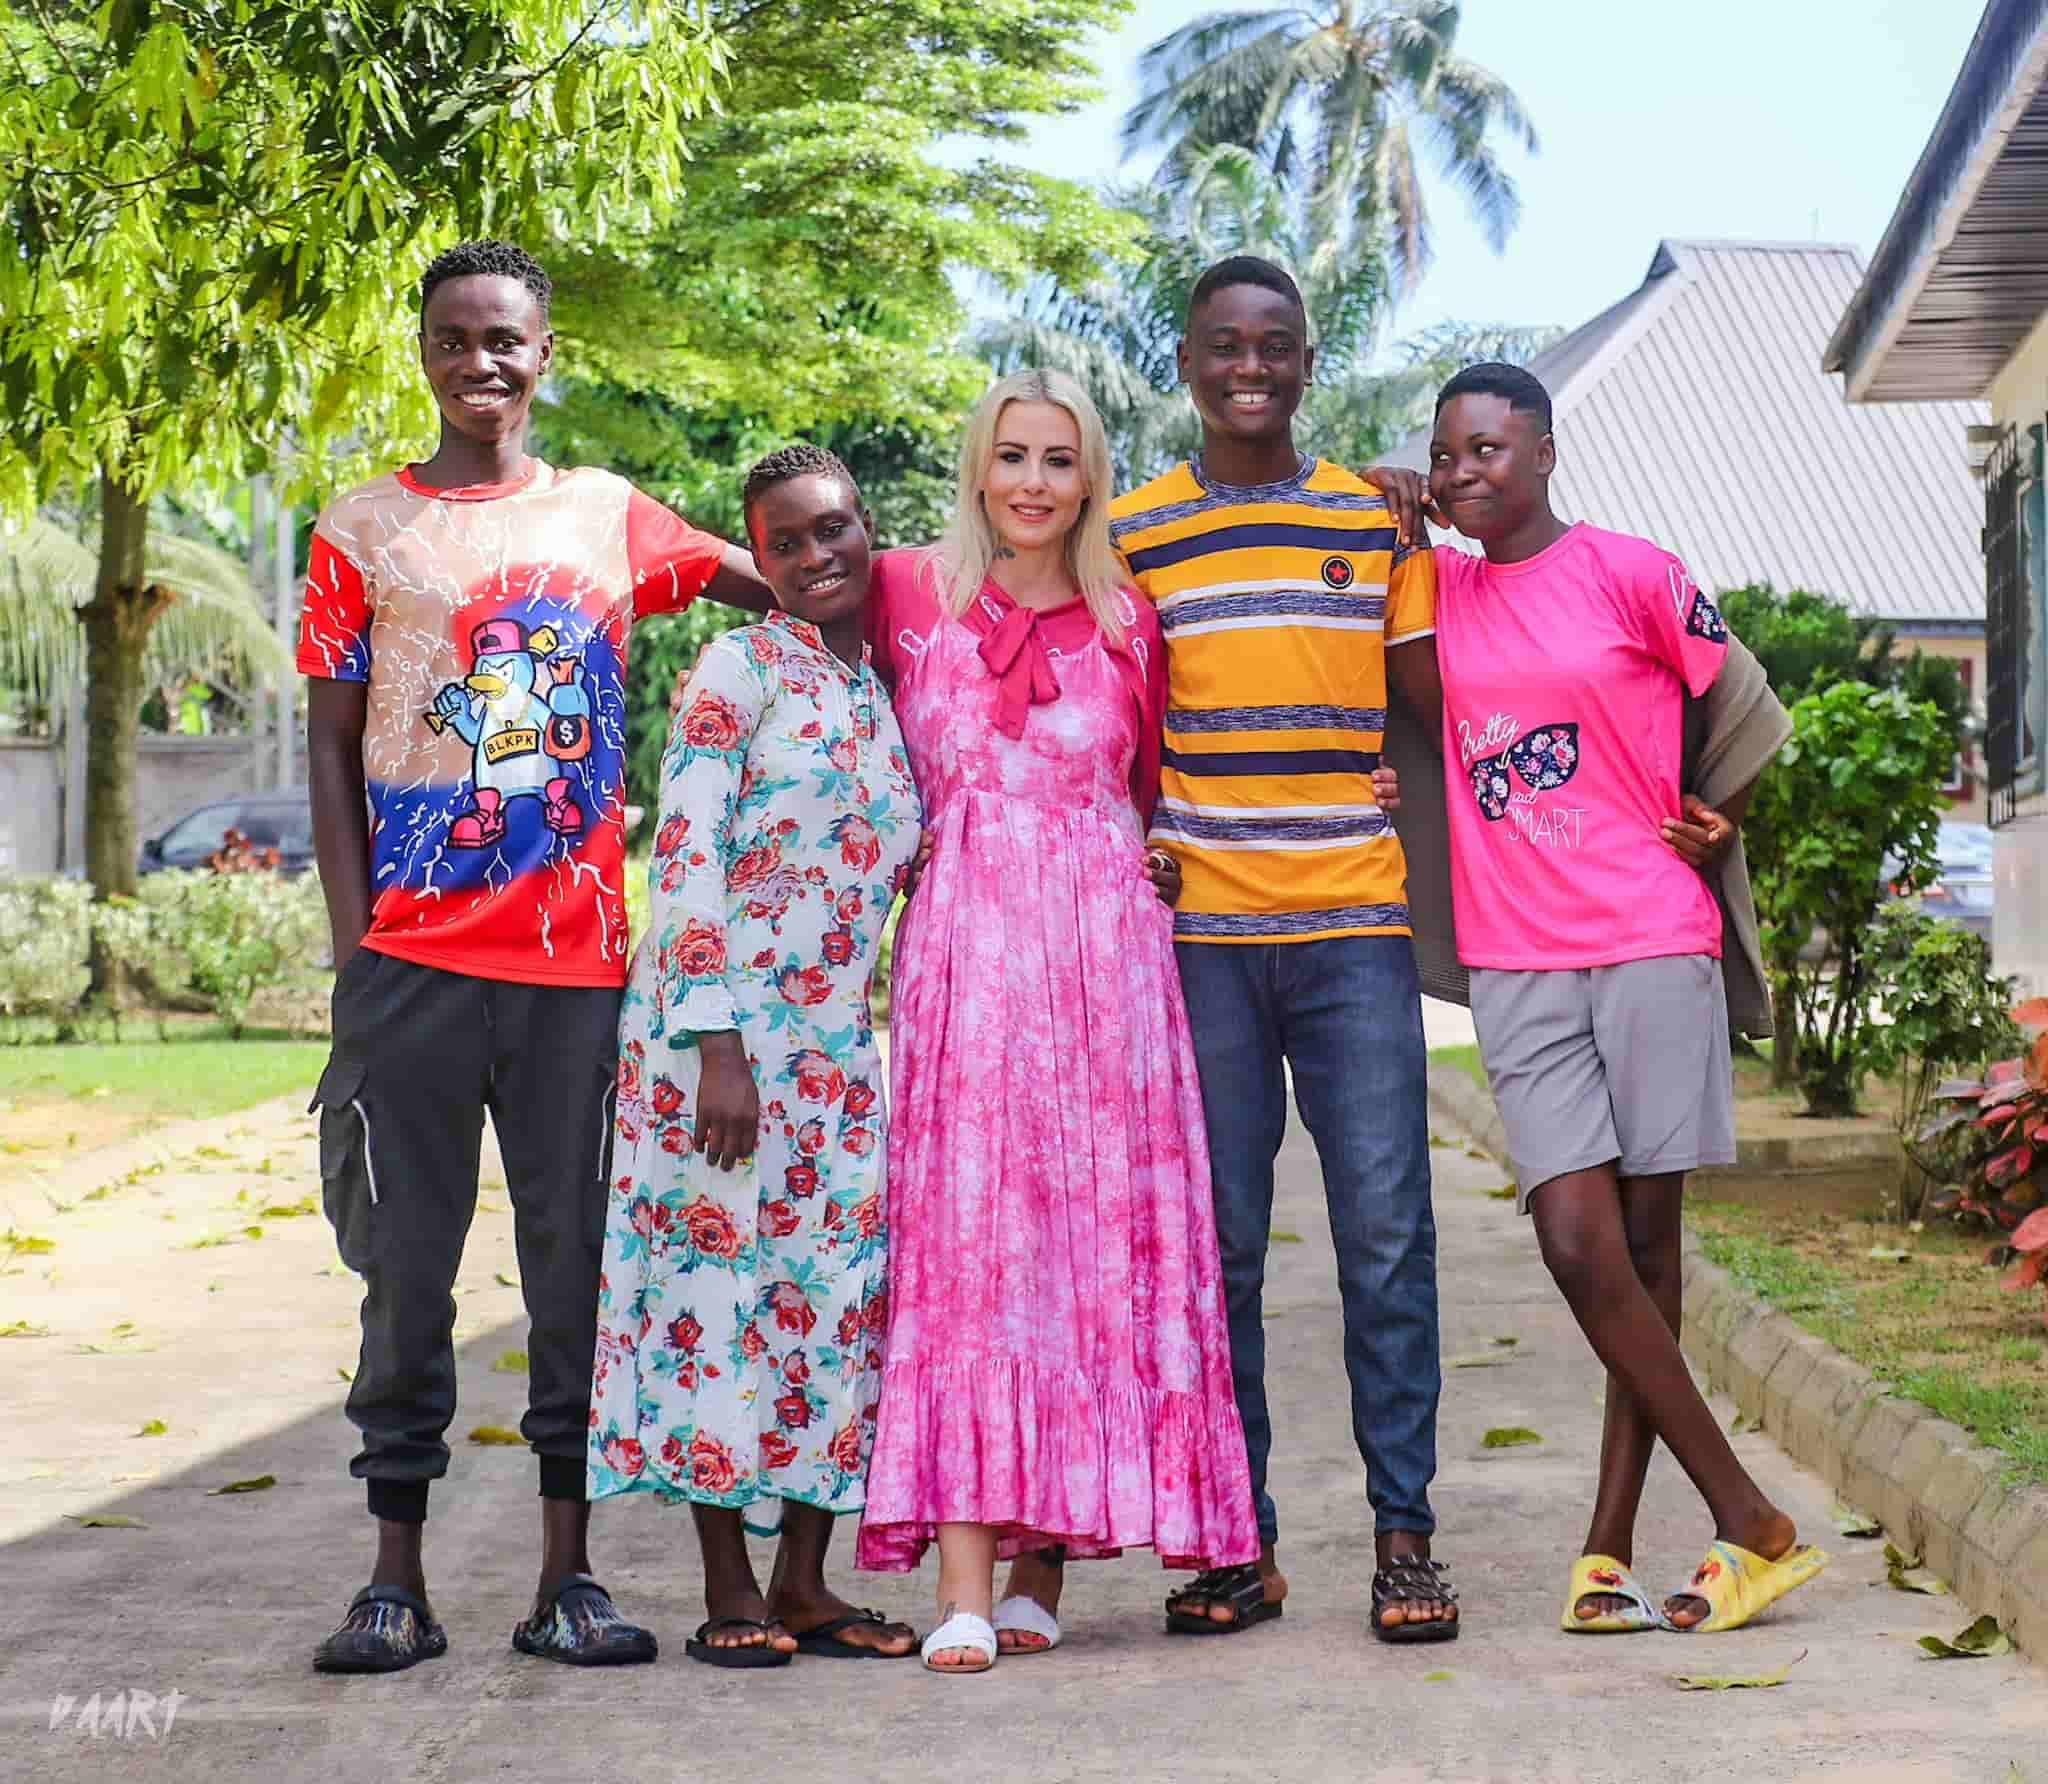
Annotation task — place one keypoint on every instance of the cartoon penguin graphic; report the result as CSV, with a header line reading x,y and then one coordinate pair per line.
x,y
526,715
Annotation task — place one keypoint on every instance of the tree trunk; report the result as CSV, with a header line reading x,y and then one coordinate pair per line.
x,y
117,623
1785,1034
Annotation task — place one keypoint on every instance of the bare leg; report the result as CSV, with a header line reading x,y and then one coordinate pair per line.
x,y
797,1592
1585,1245
967,1582
564,1546
399,1561
1650,1210
730,1589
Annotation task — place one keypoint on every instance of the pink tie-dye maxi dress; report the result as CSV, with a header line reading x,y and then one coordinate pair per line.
x,y
1057,1361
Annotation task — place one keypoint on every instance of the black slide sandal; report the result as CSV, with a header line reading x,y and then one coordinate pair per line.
x,y
824,1641
754,1654
1239,1587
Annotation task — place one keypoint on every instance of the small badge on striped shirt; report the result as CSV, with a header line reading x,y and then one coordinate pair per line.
x,y
1338,573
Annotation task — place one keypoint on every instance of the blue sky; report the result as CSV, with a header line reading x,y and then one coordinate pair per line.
x,y
1779,120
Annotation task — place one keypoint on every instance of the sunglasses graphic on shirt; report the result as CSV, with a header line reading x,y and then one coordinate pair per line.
x,y
1544,760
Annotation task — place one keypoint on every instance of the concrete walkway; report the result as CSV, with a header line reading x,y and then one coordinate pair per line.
x,y
237,1347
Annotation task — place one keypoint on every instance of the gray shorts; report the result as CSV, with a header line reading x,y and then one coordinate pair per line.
x,y
1608,1064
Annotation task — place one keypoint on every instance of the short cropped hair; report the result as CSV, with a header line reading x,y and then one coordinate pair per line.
x,y
1522,389
468,259
1245,269
801,460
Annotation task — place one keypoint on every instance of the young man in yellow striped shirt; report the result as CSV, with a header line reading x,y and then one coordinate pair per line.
x,y
1289,611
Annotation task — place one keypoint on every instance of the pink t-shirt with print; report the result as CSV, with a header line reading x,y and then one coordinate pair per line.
x,y
1563,713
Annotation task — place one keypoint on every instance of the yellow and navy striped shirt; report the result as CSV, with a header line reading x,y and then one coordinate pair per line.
x,y
1277,603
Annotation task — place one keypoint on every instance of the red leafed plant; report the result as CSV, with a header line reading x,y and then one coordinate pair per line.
x,y
1996,1129
2030,1254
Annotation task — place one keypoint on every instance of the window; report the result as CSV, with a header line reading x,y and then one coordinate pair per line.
x,y
2015,621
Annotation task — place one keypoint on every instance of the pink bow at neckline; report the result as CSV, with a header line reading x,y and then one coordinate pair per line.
x,y
1014,655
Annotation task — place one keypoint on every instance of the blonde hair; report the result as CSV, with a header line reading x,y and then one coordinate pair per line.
x,y
967,550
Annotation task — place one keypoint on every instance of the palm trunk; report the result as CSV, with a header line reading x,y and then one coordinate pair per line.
x,y
117,622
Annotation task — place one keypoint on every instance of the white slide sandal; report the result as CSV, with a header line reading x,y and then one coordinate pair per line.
x,y
963,1629
1026,1616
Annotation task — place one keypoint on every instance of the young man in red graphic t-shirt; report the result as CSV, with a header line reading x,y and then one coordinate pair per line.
x,y
464,631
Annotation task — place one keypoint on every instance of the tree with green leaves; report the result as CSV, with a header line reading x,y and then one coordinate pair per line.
x,y
812,284
1117,334
49,568
1858,787
1342,101
213,214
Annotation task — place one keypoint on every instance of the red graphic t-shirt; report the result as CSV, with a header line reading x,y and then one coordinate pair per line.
x,y
490,624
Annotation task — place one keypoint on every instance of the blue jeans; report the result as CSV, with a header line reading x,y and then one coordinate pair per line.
x,y
1346,1015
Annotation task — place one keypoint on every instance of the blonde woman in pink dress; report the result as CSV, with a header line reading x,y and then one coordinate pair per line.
x,y
1056,1378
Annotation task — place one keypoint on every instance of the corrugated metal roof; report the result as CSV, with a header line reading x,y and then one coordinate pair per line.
x,y
1961,275
1694,413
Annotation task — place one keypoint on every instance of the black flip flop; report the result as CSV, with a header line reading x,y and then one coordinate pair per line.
x,y
1240,1587
725,1654
387,1629
1414,1579
824,1641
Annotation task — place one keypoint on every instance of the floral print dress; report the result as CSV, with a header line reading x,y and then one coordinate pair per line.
x,y
741,1313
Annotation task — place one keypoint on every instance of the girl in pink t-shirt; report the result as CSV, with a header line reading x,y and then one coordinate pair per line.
x,y
1594,945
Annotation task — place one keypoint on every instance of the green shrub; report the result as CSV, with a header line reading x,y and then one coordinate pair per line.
x,y
224,936
45,937
1944,1013
1859,783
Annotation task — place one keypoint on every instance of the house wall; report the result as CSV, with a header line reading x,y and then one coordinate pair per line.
x,y
172,776
2019,849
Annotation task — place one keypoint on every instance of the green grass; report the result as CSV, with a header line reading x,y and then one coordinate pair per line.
x,y
1937,1329
201,1073
1465,1059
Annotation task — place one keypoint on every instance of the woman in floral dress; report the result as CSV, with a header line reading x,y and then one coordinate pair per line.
x,y
743,1298
1058,1366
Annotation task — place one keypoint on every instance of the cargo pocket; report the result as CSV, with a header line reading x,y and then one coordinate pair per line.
x,y
348,1172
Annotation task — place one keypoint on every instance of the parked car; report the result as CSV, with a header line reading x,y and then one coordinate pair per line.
x,y
282,821
1959,890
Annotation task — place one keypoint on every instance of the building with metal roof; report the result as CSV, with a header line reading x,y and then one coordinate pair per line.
x,y
1695,412
1955,306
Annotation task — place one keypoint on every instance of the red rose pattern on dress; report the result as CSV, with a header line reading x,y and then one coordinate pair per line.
x,y
788,817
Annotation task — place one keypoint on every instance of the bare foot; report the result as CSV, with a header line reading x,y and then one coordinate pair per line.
x,y
956,1659
1196,1600
803,1612
1422,1605
753,1608
1771,1536
1036,1577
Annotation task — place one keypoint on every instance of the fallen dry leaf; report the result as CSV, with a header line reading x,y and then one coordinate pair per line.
x,y
505,1281
495,1434
1907,1575
1281,1237
1856,1523
1508,1437
1749,1682
105,1520
256,1483
1486,1360
1981,1640
22,1329
513,1362
1506,1193
154,1428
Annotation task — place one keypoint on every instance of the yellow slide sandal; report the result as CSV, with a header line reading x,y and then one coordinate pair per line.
x,y
1739,1586
1601,1576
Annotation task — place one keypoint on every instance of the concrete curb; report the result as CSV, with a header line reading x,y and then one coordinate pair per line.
x,y
1937,1492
